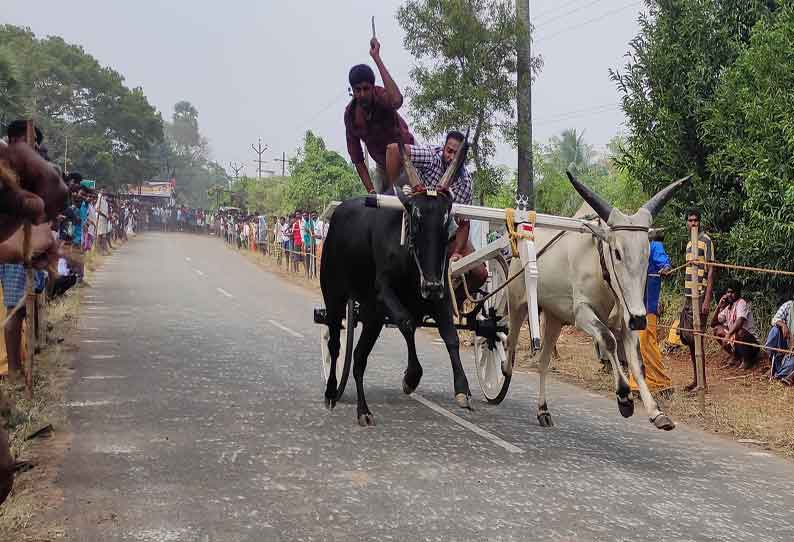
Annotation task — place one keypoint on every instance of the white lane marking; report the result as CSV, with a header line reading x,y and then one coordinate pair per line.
x,y
187,259
103,377
103,356
512,448
88,403
285,328
199,273
97,341
224,292
759,454
89,329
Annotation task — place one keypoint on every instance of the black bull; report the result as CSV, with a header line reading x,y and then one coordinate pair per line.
x,y
363,260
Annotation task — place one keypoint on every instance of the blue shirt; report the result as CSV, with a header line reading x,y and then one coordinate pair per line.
x,y
657,261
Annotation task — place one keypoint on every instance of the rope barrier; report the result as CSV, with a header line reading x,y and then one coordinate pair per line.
x,y
721,339
703,262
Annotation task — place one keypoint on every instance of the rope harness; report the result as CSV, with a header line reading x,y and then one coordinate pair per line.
x,y
516,235
604,271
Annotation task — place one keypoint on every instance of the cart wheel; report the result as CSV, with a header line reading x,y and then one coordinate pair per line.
x,y
347,340
489,356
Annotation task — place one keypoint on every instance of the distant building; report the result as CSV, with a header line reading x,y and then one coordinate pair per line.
x,y
159,193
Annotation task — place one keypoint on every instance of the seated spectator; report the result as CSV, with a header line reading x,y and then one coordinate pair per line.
x,y
779,336
733,321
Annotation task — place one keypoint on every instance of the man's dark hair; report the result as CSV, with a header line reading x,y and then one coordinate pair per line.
x,y
18,128
693,211
75,177
454,134
361,73
736,286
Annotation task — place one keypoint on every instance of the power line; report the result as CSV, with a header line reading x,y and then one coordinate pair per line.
x,y
587,22
571,12
557,8
325,108
574,112
570,117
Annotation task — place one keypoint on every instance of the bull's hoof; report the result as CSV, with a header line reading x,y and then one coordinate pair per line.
x,y
544,419
365,420
661,421
410,384
463,400
626,406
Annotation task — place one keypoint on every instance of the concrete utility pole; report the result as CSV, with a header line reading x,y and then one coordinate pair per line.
x,y
525,193
259,150
283,161
236,168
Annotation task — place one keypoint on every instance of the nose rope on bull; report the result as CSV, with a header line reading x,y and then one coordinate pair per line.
x,y
605,272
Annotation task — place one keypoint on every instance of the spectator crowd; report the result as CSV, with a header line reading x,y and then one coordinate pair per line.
x,y
67,217
295,240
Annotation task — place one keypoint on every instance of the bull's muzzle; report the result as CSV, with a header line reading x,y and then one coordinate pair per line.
x,y
432,289
637,323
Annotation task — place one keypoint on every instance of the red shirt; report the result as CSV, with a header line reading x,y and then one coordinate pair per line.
x,y
297,239
376,128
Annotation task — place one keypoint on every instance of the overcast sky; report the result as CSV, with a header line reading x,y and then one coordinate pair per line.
x,y
273,69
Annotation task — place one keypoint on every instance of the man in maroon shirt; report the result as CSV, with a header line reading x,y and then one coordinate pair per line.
x,y
372,117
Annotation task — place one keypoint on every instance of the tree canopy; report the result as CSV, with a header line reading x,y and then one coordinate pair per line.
x,y
750,131
707,91
467,74
111,129
318,176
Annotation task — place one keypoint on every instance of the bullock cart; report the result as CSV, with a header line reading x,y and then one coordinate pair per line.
x,y
487,315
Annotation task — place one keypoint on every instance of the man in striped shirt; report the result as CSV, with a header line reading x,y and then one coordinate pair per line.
x,y
699,281
431,162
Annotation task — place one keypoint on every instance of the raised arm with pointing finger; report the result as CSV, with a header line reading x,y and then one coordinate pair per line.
x,y
371,117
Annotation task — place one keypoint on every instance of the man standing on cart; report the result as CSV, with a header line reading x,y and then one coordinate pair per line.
x,y
371,117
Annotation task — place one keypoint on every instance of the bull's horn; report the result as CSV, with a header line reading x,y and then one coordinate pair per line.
x,y
410,170
457,162
601,207
656,203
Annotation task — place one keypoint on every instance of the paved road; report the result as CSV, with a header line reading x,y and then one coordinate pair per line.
x,y
197,418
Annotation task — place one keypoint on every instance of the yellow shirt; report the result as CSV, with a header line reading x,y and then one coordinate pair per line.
x,y
705,252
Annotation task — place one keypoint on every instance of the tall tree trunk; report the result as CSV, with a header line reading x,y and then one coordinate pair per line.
x,y
475,149
525,194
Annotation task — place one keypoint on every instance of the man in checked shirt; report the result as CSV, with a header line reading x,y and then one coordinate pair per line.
x,y
431,161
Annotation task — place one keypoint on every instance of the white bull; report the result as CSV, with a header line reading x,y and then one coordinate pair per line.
x,y
580,285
